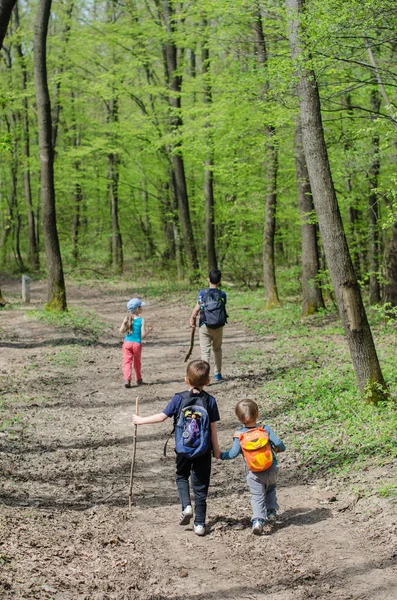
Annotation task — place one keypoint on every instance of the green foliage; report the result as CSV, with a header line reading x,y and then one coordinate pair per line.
x,y
97,57
79,321
388,490
310,390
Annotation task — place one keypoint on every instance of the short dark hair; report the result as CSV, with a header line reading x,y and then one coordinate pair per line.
x,y
197,373
246,411
215,276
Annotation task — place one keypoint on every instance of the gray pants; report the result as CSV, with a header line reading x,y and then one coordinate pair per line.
x,y
211,337
262,486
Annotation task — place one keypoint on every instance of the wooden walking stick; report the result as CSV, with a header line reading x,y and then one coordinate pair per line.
x,y
191,344
133,455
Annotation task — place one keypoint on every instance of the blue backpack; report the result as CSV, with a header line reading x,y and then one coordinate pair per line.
x,y
192,425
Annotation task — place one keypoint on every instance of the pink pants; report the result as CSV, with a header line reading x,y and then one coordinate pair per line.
x,y
132,354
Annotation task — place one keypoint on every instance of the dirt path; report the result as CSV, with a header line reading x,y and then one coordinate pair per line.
x,y
66,532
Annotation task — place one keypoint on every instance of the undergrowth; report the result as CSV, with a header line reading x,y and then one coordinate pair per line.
x,y
311,390
79,321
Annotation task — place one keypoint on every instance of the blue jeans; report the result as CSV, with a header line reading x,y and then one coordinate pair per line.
x,y
200,471
263,486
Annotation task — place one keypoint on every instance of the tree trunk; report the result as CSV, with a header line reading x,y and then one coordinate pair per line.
x,y
116,241
78,197
146,224
17,237
269,228
391,270
57,107
175,86
2,301
78,192
56,283
6,7
312,295
373,210
116,247
34,259
353,212
351,309
209,162
167,217
175,226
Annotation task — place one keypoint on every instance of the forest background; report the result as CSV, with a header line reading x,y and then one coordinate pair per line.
x,y
179,141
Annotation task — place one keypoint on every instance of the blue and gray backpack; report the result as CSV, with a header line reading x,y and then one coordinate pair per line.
x,y
192,425
213,308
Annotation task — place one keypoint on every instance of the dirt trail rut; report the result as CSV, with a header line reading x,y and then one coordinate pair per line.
x,y
66,531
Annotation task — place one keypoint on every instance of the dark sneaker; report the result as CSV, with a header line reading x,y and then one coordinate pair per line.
x,y
127,383
257,526
139,382
218,377
271,516
186,515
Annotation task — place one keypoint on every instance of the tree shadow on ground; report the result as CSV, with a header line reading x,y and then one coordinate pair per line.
x,y
289,584
296,516
63,341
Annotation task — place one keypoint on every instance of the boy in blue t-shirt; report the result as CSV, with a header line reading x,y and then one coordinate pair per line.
x,y
210,337
199,468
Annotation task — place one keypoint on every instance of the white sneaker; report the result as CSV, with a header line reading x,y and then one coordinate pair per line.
x,y
257,527
199,529
186,515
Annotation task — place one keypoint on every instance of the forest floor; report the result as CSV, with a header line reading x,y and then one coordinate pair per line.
x,y
65,451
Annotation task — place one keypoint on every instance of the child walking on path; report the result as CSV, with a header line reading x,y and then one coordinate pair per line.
x,y
134,328
211,306
195,415
259,445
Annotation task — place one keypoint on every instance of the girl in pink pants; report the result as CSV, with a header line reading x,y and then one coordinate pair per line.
x,y
133,327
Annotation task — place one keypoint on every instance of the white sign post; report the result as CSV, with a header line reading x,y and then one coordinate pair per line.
x,y
25,289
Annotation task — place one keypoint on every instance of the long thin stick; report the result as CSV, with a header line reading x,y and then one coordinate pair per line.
x,y
133,455
191,344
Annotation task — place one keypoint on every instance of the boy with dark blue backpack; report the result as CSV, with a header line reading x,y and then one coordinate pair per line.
x,y
211,306
195,415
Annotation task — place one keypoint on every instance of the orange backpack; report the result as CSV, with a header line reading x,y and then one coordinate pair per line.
x,y
256,449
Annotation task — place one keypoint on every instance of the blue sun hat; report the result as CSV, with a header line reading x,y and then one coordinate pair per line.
x,y
134,303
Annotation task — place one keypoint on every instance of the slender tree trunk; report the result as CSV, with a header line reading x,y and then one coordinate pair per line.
x,y
353,212
76,223
269,228
175,226
175,86
166,217
17,237
11,202
312,295
116,241
33,246
56,283
146,224
373,211
116,246
78,192
57,107
209,162
391,270
347,292
6,7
